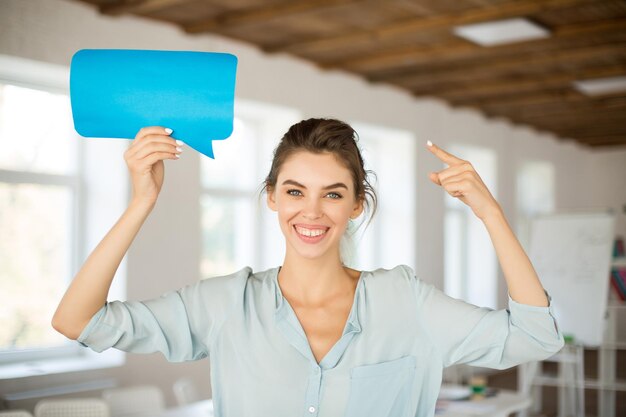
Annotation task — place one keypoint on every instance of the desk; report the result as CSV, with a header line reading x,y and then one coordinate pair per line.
x,y
502,404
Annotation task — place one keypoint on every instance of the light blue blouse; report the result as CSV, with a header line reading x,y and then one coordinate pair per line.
x,y
400,334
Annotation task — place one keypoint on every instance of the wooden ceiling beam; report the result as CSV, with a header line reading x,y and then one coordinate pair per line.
x,y
593,104
137,6
576,121
605,140
488,68
261,14
572,119
517,85
521,100
590,132
460,49
420,24
560,112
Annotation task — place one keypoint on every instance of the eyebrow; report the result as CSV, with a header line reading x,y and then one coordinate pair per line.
x,y
328,187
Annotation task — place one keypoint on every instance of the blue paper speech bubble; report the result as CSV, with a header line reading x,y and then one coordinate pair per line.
x,y
116,92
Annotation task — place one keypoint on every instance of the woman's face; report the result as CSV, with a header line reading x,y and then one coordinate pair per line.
x,y
314,198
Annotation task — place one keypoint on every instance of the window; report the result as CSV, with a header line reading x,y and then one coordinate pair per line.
x,y
469,257
38,188
47,222
390,239
535,194
236,231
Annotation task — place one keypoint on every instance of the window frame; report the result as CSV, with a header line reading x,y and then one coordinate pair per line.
x,y
72,356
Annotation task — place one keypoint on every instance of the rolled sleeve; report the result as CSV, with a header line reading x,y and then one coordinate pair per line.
x,y
180,324
539,327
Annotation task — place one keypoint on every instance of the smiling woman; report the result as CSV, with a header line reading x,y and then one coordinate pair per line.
x,y
313,336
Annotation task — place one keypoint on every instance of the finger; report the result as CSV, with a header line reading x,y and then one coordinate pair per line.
x,y
150,130
434,178
446,157
443,175
149,140
457,188
156,147
454,170
157,156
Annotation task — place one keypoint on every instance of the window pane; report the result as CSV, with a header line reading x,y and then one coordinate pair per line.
x,y
455,232
535,194
34,262
36,131
535,188
390,238
228,235
234,163
470,259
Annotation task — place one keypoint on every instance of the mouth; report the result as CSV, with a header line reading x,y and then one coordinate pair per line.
x,y
310,235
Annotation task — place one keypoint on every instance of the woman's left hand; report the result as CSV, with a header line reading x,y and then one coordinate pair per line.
x,y
461,181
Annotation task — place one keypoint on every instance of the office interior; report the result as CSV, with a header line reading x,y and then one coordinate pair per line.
x,y
530,169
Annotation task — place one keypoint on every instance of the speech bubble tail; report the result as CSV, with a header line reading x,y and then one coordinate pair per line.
x,y
207,149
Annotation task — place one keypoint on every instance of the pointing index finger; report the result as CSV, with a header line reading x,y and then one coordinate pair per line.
x,y
444,156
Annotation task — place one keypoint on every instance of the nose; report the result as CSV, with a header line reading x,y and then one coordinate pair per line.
x,y
312,209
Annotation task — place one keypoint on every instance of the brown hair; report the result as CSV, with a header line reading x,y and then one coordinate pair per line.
x,y
326,135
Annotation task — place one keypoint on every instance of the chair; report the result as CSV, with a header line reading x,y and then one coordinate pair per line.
x,y
75,407
129,401
15,413
185,391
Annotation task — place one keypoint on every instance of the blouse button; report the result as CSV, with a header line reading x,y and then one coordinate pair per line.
x,y
311,409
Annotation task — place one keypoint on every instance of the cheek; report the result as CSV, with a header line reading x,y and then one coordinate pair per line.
x,y
287,210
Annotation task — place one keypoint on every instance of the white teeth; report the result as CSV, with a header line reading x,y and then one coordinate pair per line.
x,y
308,232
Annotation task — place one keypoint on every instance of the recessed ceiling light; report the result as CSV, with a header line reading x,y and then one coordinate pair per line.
x,y
599,86
502,31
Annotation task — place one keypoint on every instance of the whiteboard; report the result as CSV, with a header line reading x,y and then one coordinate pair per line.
x,y
571,253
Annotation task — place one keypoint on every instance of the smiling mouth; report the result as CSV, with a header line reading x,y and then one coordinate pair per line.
x,y
311,233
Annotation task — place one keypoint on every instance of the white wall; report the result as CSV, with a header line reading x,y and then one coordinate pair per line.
x,y
165,254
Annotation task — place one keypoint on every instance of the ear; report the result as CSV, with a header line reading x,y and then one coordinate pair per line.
x,y
271,200
357,210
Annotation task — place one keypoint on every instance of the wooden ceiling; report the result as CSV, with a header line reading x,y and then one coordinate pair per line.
x,y
411,44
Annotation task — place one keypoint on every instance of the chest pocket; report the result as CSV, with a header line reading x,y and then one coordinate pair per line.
x,y
382,389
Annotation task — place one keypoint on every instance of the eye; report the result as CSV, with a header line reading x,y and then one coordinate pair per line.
x,y
293,190
295,195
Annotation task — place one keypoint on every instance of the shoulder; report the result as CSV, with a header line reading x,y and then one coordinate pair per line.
x,y
237,280
225,281
401,278
222,290
398,275
397,280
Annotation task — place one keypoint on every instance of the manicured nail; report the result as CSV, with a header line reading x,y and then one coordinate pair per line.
x,y
168,130
429,143
177,155
179,149
179,142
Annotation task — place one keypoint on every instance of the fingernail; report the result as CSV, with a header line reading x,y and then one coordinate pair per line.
x,y
179,149
168,130
177,155
179,142
429,143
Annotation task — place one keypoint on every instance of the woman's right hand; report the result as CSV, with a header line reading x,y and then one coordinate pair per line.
x,y
144,158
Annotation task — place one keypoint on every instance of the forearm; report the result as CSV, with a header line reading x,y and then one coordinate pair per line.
x,y
523,283
89,289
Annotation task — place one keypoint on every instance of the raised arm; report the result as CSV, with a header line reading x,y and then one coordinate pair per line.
x,y
461,181
89,289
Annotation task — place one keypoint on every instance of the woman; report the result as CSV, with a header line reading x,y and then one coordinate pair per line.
x,y
314,337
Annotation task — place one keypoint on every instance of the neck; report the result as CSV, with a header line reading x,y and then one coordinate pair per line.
x,y
315,281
